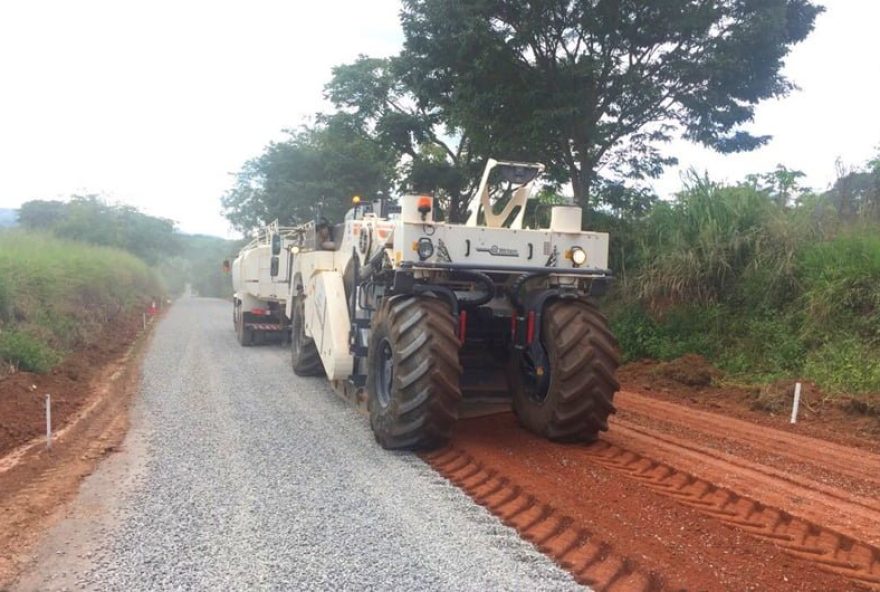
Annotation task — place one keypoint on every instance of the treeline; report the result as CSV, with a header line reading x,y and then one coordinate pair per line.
x,y
764,278
179,259
198,264
90,219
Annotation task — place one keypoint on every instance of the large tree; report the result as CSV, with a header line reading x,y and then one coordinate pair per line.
x,y
434,155
594,87
316,171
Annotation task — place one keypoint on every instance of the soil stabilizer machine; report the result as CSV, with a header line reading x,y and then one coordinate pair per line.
x,y
414,314
260,281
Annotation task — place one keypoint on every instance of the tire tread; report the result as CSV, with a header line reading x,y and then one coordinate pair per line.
x,y
426,389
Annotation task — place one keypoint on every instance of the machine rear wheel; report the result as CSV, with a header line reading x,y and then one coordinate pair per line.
x,y
245,335
413,373
304,356
572,403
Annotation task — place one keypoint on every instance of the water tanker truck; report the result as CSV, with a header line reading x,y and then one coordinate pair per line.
x,y
411,314
260,281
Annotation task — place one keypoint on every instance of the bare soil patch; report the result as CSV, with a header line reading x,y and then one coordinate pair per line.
x,y
91,392
23,394
693,382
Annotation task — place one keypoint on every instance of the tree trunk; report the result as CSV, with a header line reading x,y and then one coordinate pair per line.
x,y
581,184
581,193
457,207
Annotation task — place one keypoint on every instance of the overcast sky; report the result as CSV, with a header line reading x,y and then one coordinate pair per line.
x,y
156,103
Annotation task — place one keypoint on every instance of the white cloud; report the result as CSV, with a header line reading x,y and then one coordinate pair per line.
x,y
155,103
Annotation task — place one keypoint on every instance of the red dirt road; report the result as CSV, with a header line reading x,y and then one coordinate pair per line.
x,y
673,498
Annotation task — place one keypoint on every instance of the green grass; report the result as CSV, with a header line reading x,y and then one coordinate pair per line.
x,y
841,286
56,295
762,292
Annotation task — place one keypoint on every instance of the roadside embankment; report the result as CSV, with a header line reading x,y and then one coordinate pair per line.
x,y
65,308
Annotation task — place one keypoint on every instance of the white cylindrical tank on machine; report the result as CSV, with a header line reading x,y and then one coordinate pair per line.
x,y
565,219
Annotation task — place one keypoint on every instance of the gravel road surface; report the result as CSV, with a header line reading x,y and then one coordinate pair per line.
x,y
238,475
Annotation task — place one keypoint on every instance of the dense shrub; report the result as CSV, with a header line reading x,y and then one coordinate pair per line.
x,y
841,283
715,242
762,290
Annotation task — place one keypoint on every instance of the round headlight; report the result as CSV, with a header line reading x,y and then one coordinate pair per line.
x,y
425,248
578,256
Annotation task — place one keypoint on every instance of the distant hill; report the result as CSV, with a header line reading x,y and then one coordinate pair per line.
x,y
8,217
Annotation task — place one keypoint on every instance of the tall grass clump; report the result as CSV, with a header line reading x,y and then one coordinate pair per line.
x,y
56,295
716,243
841,305
763,290
841,286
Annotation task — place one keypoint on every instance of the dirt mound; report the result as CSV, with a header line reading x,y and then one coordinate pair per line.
x,y
777,397
868,405
854,421
691,370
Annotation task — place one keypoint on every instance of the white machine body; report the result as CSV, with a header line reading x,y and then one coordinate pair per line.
x,y
491,241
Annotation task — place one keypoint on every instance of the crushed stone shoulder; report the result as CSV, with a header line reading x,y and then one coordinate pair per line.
x,y
253,478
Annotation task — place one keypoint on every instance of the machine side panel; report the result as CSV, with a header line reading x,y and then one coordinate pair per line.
x,y
326,320
498,246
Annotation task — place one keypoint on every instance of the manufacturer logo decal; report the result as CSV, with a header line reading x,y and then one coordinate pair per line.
x,y
497,251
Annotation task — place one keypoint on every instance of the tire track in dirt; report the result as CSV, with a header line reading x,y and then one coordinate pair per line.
x,y
831,550
816,452
558,497
856,516
589,558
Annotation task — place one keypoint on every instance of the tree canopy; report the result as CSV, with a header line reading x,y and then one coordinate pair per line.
x,y
434,155
594,87
90,219
316,171
591,88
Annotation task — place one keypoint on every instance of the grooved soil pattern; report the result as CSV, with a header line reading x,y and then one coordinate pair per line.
x,y
673,499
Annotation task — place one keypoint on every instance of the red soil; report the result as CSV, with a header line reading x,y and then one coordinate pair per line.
x,y
851,421
23,394
91,392
671,500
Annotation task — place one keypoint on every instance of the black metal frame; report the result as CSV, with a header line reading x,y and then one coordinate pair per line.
x,y
402,281
574,271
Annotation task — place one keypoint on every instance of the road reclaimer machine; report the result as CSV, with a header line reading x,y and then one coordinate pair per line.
x,y
414,314
260,279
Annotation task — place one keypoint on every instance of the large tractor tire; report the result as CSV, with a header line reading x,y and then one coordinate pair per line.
x,y
245,335
413,373
574,401
304,356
